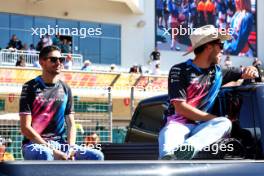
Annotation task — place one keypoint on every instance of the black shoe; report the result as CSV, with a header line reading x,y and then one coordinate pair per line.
x,y
184,152
168,157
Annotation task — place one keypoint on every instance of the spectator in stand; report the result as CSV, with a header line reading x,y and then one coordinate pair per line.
x,y
21,62
134,69
112,68
14,43
32,49
47,41
69,45
25,47
155,56
256,62
65,47
40,44
140,70
68,62
156,71
56,40
86,66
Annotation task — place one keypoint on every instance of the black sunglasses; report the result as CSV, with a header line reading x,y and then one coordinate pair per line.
x,y
220,44
55,59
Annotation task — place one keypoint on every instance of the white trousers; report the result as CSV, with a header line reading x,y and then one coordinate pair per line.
x,y
198,135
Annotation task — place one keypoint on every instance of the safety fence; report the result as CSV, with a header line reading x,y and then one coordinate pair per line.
x,y
9,58
93,120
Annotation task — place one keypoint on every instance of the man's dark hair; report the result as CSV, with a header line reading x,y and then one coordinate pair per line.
x,y
46,50
201,48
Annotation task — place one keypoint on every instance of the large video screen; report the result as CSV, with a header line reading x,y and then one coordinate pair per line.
x,y
175,19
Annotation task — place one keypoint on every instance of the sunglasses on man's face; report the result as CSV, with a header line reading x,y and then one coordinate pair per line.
x,y
220,44
55,59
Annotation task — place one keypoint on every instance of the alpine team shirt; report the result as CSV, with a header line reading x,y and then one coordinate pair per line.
x,y
48,104
191,84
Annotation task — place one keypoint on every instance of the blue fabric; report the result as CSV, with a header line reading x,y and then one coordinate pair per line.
x,y
208,101
221,7
48,105
173,8
159,4
190,62
214,90
240,38
34,151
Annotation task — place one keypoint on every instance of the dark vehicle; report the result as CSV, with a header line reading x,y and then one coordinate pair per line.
x,y
243,105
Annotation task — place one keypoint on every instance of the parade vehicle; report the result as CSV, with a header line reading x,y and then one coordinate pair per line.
x,y
243,105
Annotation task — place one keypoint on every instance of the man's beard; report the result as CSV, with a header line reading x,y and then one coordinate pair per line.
x,y
54,72
214,58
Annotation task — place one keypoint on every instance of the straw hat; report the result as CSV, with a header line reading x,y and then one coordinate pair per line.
x,y
206,34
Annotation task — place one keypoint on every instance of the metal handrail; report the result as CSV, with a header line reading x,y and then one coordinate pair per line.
x,y
9,57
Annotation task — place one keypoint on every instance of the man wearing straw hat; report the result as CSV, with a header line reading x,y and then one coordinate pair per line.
x,y
193,86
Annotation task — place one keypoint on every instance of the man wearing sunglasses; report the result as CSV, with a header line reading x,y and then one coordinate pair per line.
x,y
45,104
193,87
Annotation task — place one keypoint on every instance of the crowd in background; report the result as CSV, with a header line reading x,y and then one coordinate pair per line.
x,y
47,40
237,15
65,46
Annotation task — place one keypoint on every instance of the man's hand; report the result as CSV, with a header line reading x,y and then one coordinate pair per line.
x,y
59,155
249,72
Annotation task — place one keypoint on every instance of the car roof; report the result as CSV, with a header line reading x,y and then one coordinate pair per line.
x,y
156,99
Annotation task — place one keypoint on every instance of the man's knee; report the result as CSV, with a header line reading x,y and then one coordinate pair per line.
x,y
89,154
225,123
33,152
97,155
37,152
